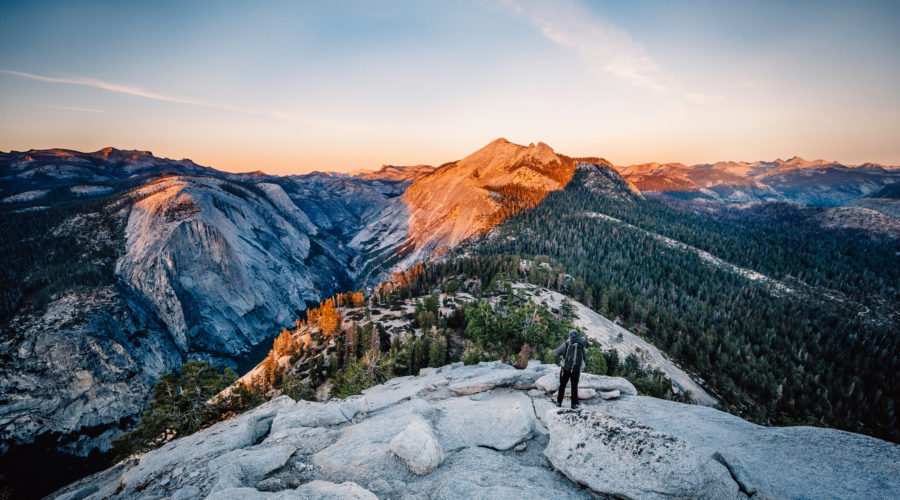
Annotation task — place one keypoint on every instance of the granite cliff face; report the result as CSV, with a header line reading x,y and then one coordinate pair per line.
x,y
218,266
491,431
184,262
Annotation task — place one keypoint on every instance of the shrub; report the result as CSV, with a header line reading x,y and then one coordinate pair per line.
x,y
594,361
180,406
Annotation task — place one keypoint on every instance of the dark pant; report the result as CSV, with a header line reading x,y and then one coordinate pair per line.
x,y
564,377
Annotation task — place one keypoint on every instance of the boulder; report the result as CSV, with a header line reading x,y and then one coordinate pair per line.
x,y
483,473
246,467
492,379
604,383
549,382
362,453
313,490
583,394
197,449
418,447
623,458
777,462
323,490
613,394
500,420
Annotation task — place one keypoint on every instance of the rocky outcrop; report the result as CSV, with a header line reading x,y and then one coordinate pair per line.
x,y
414,437
549,382
418,447
600,177
496,420
604,452
86,362
461,199
779,462
795,180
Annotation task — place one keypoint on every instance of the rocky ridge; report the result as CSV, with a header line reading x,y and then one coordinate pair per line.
x,y
795,180
461,199
454,201
491,431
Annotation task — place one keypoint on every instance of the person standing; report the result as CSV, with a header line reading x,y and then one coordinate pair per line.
x,y
571,361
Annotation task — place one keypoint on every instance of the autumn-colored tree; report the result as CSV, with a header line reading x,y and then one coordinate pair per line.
x,y
305,341
329,319
284,344
359,299
271,372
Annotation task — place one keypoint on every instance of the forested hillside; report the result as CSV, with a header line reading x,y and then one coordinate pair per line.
x,y
820,348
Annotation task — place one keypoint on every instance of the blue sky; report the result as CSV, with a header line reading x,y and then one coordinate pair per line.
x,y
297,86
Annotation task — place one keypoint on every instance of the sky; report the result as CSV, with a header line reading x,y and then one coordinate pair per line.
x,y
290,87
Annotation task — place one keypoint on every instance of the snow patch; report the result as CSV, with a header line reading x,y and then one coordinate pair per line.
x,y
26,196
90,190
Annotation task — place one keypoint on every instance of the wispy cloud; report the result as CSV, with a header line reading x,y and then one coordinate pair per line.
x,y
139,92
76,108
112,87
602,45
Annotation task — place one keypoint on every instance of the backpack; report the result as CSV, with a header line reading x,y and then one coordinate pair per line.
x,y
573,357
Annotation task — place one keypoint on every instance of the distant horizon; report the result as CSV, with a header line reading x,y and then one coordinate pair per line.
x,y
377,167
298,87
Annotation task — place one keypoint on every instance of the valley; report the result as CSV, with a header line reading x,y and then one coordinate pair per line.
x,y
121,266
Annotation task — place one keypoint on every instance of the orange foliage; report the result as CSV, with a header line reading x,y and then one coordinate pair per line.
x,y
358,299
284,344
328,319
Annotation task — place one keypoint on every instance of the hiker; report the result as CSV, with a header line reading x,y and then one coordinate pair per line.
x,y
571,361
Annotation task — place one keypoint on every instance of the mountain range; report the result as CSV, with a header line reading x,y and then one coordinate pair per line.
x,y
795,180
119,266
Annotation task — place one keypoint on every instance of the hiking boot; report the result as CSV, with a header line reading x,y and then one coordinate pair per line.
x,y
575,407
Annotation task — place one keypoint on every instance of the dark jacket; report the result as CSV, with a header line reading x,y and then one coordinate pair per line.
x,y
579,359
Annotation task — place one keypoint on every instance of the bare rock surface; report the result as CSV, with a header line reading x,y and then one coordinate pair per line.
x,y
498,420
781,462
313,490
487,474
418,447
603,453
399,441
549,382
